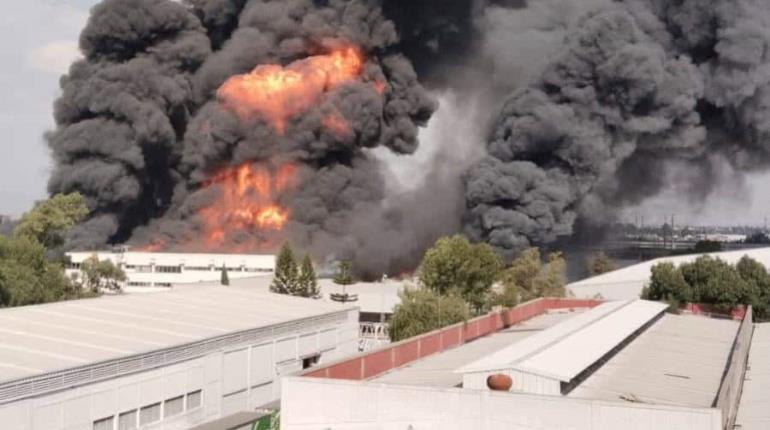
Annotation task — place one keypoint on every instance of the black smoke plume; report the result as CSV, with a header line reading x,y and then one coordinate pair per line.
x,y
554,112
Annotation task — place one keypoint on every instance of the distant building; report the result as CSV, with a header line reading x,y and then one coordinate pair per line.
x,y
628,282
165,361
573,363
149,270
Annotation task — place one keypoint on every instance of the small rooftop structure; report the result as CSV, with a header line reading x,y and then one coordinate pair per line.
x,y
628,282
538,366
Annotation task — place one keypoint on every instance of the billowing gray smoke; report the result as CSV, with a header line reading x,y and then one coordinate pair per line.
x,y
576,109
640,89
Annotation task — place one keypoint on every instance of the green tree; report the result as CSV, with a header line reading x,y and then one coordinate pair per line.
x,y
26,277
758,281
713,281
308,281
224,279
422,310
285,279
49,220
454,264
101,275
344,275
600,263
528,278
704,246
667,284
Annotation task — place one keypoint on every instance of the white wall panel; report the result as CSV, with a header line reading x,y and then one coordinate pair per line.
x,y
262,364
103,403
308,344
235,402
309,403
234,371
261,395
15,416
285,349
47,417
77,411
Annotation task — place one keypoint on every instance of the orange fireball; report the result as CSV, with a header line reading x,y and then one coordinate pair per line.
x,y
276,94
246,201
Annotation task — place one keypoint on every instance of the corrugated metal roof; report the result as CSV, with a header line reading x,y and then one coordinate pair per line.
x,y
679,360
438,370
754,408
584,339
43,338
627,283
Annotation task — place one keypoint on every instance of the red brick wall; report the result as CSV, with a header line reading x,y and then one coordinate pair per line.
x,y
375,362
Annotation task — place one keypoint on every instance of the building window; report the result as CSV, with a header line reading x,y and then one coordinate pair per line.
x,y
310,361
104,423
127,420
174,406
163,284
149,414
144,269
197,268
193,400
138,284
168,269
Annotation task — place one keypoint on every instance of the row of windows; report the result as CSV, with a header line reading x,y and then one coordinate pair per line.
x,y
149,414
168,269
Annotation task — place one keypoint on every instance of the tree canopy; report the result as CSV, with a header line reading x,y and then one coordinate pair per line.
x,y
285,280
49,220
26,277
455,265
528,277
600,263
307,280
422,310
344,275
101,275
712,281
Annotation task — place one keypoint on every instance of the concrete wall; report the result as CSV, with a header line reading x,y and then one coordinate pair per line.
x,y
397,354
310,403
729,394
522,382
238,377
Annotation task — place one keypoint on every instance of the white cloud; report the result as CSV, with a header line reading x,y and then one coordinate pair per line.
x,y
54,57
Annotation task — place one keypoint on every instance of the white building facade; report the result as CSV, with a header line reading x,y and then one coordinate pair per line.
x,y
92,378
164,269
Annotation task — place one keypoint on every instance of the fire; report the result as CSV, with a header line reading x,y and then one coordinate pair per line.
x,y
336,123
276,94
246,201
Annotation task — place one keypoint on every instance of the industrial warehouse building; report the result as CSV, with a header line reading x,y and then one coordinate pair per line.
x,y
628,282
146,271
575,364
170,360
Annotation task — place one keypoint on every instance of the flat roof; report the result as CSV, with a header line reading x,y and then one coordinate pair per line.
x,y
438,370
627,283
584,339
754,407
373,297
43,338
679,360
171,257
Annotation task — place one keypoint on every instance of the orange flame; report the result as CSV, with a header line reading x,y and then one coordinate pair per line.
x,y
336,123
276,94
246,201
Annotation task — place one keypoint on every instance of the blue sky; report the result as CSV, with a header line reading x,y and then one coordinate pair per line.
x,y
38,40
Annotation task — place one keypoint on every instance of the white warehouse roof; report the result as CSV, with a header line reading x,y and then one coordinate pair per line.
x,y
754,409
44,338
584,339
627,283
